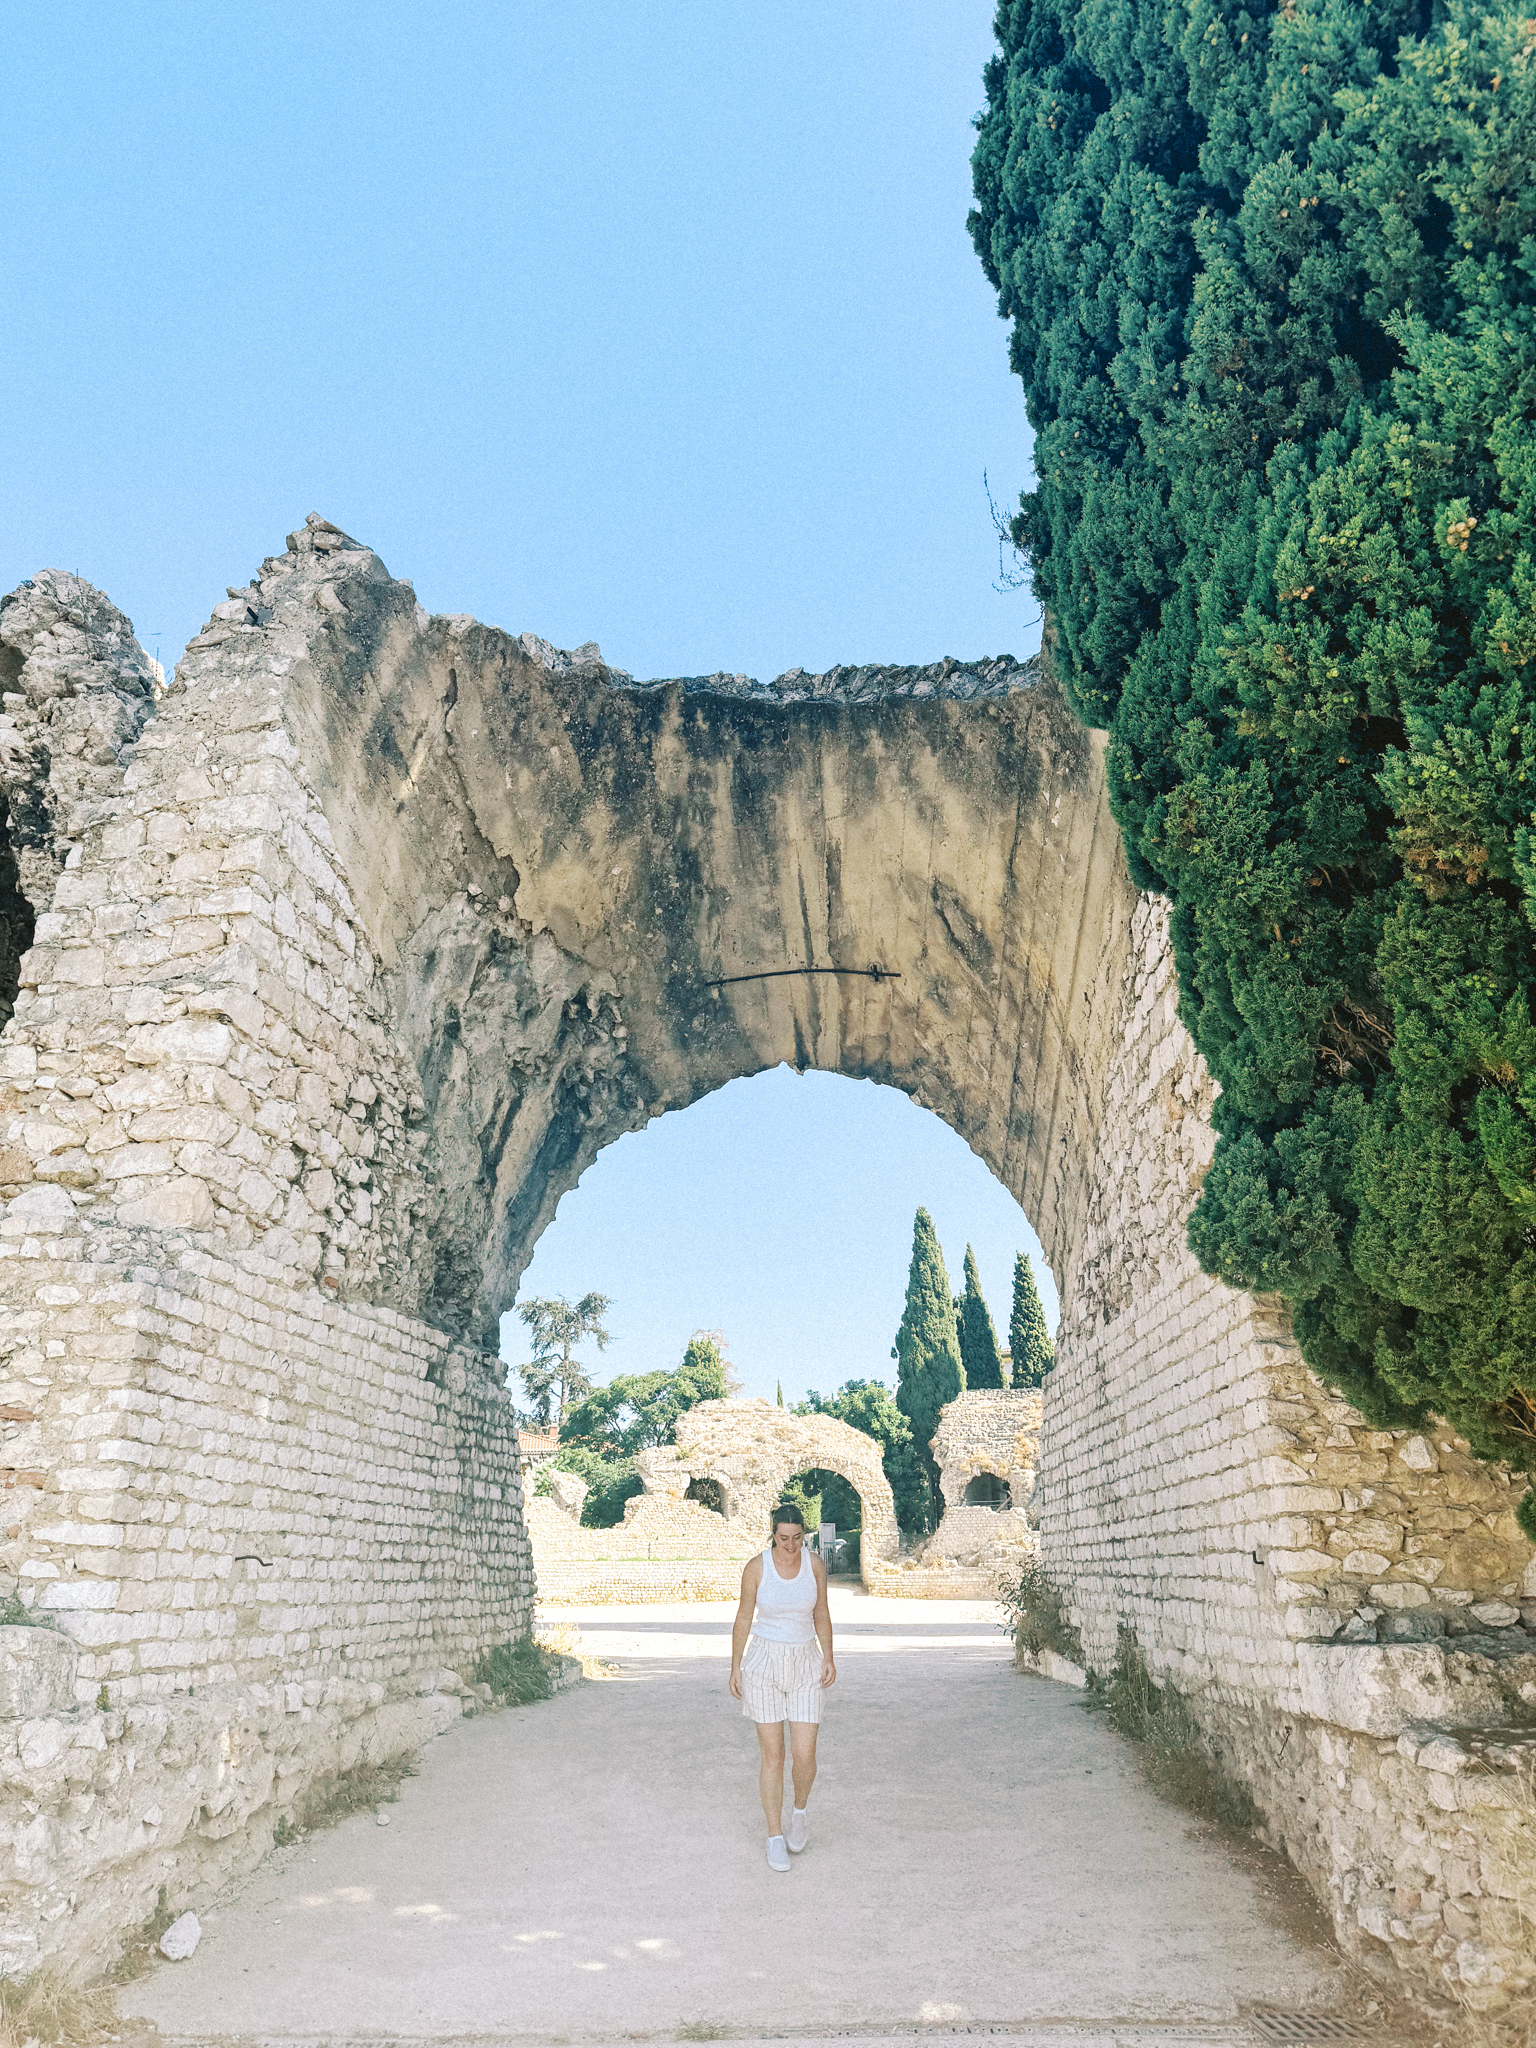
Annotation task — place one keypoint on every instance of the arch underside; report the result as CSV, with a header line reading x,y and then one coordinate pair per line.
x,y
594,901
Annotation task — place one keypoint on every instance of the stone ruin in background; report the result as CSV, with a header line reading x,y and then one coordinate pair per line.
x,y
738,1455
735,1455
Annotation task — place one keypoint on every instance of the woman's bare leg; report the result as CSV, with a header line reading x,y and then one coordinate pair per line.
x,y
802,1750
770,1775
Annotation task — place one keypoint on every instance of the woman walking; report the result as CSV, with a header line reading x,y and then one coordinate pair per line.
x,y
781,1674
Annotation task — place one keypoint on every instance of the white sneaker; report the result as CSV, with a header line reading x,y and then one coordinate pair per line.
x,y
778,1855
796,1837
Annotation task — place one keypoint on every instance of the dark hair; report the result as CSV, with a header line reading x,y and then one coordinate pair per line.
x,y
786,1511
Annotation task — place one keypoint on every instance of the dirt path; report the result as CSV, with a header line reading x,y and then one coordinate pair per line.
x,y
983,1852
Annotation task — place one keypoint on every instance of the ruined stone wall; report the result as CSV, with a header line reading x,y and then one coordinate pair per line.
x,y
669,1548
994,1431
1199,1488
276,1524
356,956
75,690
666,1549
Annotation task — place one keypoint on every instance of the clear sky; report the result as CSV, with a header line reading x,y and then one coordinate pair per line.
x,y
778,1210
656,325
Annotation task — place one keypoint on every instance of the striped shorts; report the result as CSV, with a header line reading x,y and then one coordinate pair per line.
x,y
781,1681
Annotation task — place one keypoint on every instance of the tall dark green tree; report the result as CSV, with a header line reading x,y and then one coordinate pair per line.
x,y
1274,307
1029,1340
867,1405
552,1377
979,1354
927,1354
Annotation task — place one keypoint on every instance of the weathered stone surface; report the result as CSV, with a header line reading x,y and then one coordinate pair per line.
x,y
1495,1613
77,688
381,927
568,1492
37,1672
1380,1689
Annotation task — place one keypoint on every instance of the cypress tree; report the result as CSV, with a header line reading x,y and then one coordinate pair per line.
x,y
927,1352
1273,306
980,1358
1028,1338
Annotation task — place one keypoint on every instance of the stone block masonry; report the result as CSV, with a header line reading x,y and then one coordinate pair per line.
x,y
334,966
1199,1488
277,1521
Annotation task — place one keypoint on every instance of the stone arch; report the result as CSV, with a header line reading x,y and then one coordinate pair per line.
x,y
362,940
750,1449
590,901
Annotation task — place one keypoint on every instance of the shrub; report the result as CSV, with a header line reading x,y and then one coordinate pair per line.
x,y
1272,297
611,1481
1158,1719
1039,1619
518,1673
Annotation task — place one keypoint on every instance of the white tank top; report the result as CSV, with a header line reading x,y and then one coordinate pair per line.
x,y
785,1606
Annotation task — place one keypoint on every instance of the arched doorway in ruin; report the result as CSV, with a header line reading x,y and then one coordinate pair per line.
x,y
363,943
743,1454
829,1503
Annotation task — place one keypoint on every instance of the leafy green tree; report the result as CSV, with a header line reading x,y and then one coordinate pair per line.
x,y
557,1326
1272,296
804,1491
611,1481
979,1355
867,1405
927,1353
638,1410
1028,1338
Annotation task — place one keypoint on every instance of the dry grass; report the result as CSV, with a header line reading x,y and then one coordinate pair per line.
x,y
332,1799
1478,2030
563,1639
1158,1720
48,2010
139,1949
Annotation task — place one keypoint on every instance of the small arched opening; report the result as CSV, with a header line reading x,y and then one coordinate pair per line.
x,y
986,1490
826,1499
708,1493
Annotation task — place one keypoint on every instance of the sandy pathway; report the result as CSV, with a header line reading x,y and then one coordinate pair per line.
x,y
983,1852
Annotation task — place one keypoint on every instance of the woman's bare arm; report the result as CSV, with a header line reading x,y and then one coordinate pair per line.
x,y
751,1577
821,1621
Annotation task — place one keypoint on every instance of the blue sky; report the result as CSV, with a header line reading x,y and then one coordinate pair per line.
x,y
656,326
779,1210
